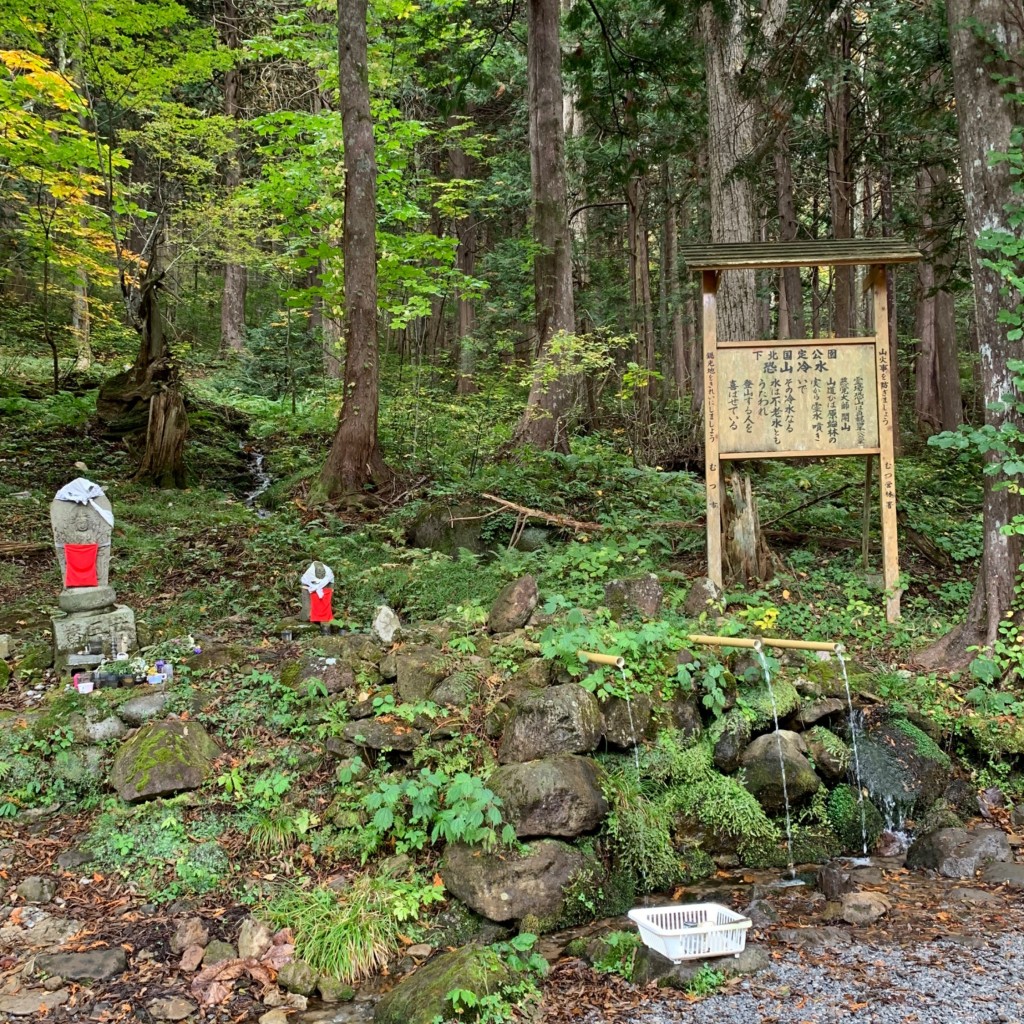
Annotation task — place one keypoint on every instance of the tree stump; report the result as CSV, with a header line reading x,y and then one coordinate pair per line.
x,y
745,552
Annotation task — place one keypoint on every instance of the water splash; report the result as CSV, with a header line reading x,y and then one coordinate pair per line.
x,y
856,752
758,650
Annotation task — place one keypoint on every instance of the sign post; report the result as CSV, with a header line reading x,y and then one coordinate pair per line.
x,y
800,398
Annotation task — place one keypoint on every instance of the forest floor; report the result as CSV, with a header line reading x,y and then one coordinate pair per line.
x,y
202,562
948,951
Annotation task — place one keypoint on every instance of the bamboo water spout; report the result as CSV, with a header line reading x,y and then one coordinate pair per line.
x,y
596,658
766,641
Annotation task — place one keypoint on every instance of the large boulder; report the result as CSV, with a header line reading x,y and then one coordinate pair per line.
x,y
507,885
555,796
763,770
956,853
423,997
448,528
161,759
903,770
558,720
637,594
418,671
513,606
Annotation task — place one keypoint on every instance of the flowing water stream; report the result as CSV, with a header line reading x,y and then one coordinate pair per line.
x,y
632,728
856,752
260,477
759,651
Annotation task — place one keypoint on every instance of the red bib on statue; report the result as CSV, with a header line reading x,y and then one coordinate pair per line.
x,y
320,607
80,565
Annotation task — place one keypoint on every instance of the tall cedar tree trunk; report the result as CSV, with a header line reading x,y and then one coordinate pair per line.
x,y
791,295
938,400
731,139
986,114
232,306
838,111
465,260
146,398
543,422
673,331
80,320
355,461
640,297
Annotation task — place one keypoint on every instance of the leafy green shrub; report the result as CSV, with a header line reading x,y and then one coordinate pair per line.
x,y
413,812
705,982
617,954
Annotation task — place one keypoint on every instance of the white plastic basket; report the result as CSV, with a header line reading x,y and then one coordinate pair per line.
x,y
692,931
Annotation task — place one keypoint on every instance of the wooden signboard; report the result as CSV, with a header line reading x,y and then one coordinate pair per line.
x,y
800,398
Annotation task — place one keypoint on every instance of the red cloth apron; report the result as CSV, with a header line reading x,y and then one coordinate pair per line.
x,y
80,565
320,607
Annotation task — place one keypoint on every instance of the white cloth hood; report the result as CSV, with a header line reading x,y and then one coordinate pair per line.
x,y
315,583
85,492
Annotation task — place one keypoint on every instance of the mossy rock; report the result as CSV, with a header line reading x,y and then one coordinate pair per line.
x,y
826,678
903,769
290,672
844,815
216,656
423,997
811,845
831,756
939,815
161,759
35,659
5,675
758,702
729,737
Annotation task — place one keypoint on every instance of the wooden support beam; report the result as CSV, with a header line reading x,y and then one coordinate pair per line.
x,y
712,465
886,437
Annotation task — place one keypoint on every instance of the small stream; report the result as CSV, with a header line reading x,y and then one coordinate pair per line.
x,y
261,478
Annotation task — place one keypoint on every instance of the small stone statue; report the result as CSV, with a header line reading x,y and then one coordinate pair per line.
x,y
83,523
317,594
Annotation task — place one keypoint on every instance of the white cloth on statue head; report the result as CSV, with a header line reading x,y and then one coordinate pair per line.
x,y
314,583
85,492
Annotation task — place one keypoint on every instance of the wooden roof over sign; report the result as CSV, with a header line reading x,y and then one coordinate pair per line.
x,y
826,252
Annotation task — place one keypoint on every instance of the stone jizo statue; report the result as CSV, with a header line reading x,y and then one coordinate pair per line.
x,y
82,523
91,619
317,593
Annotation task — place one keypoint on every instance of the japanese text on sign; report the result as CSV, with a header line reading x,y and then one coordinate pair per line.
x,y
784,397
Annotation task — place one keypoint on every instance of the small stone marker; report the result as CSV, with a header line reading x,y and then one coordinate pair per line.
x,y
93,625
317,593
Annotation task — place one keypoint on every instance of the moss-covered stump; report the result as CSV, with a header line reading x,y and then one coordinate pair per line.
x,y
423,997
857,834
161,759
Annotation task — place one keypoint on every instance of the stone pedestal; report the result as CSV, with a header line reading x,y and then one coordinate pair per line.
x,y
72,632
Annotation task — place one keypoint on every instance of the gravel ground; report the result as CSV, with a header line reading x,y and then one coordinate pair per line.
x,y
941,982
